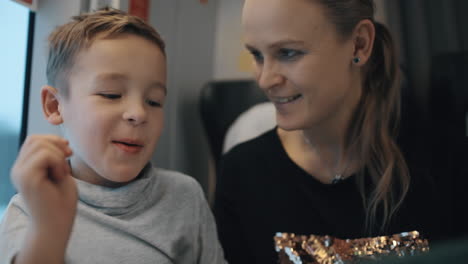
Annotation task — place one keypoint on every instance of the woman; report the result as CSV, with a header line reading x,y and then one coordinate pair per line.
x,y
332,166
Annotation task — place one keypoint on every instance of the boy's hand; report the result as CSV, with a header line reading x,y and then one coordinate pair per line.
x,y
42,175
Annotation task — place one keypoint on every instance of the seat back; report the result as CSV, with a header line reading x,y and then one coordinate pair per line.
x,y
221,102
449,127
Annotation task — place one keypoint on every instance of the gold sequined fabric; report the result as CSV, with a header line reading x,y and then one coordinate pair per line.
x,y
313,249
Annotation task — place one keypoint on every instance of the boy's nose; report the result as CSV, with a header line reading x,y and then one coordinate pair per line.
x,y
135,114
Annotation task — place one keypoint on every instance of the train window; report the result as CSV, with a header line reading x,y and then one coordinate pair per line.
x,y
16,24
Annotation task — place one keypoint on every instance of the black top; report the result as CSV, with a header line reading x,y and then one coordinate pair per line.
x,y
261,191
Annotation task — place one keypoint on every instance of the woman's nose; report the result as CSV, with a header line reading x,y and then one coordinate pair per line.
x,y
268,77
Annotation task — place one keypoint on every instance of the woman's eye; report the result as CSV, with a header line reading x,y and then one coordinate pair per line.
x,y
153,103
258,57
110,96
289,54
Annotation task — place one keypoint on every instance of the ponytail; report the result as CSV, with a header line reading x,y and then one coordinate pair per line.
x,y
373,133
374,124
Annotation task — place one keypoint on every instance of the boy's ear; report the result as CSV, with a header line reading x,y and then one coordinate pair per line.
x,y
363,38
51,105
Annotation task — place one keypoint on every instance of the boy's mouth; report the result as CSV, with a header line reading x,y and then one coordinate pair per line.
x,y
129,146
128,142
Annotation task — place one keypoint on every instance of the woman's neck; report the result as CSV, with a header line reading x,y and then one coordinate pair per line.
x,y
320,151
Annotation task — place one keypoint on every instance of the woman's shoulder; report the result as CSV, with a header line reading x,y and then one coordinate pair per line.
x,y
253,161
258,146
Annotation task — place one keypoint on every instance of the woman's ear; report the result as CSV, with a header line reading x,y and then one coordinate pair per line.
x,y
51,105
363,40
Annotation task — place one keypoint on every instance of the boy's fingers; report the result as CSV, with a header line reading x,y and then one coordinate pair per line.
x,y
52,138
57,165
58,171
36,143
62,143
46,159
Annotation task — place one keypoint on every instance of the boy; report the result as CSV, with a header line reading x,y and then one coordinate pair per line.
x,y
94,198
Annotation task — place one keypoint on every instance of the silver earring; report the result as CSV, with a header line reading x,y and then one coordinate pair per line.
x,y
356,60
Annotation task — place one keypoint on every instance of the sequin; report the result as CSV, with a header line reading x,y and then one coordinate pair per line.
x,y
329,250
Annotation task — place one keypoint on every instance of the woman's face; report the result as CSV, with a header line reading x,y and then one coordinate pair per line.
x,y
302,64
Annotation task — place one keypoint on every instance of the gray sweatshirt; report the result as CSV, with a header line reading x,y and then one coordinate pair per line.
x,y
162,217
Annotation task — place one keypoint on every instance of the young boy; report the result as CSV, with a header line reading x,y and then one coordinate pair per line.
x,y
94,198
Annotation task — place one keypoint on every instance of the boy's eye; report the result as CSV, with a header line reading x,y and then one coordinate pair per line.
x,y
110,96
289,54
153,103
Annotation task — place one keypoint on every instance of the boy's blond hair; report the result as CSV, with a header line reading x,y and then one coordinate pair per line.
x,y
69,39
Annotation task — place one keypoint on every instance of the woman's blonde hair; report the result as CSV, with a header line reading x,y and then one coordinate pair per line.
x,y
373,128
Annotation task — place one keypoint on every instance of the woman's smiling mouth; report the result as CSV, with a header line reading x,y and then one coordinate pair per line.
x,y
285,100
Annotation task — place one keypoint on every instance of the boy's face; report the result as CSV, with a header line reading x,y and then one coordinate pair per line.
x,y
113,115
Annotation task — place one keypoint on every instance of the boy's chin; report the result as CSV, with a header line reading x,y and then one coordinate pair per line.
x,y
114,183
121,178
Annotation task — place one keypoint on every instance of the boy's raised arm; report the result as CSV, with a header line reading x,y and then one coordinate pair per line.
x,y
42,176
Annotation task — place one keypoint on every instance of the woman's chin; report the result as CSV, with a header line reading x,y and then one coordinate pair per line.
x,y
289,125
